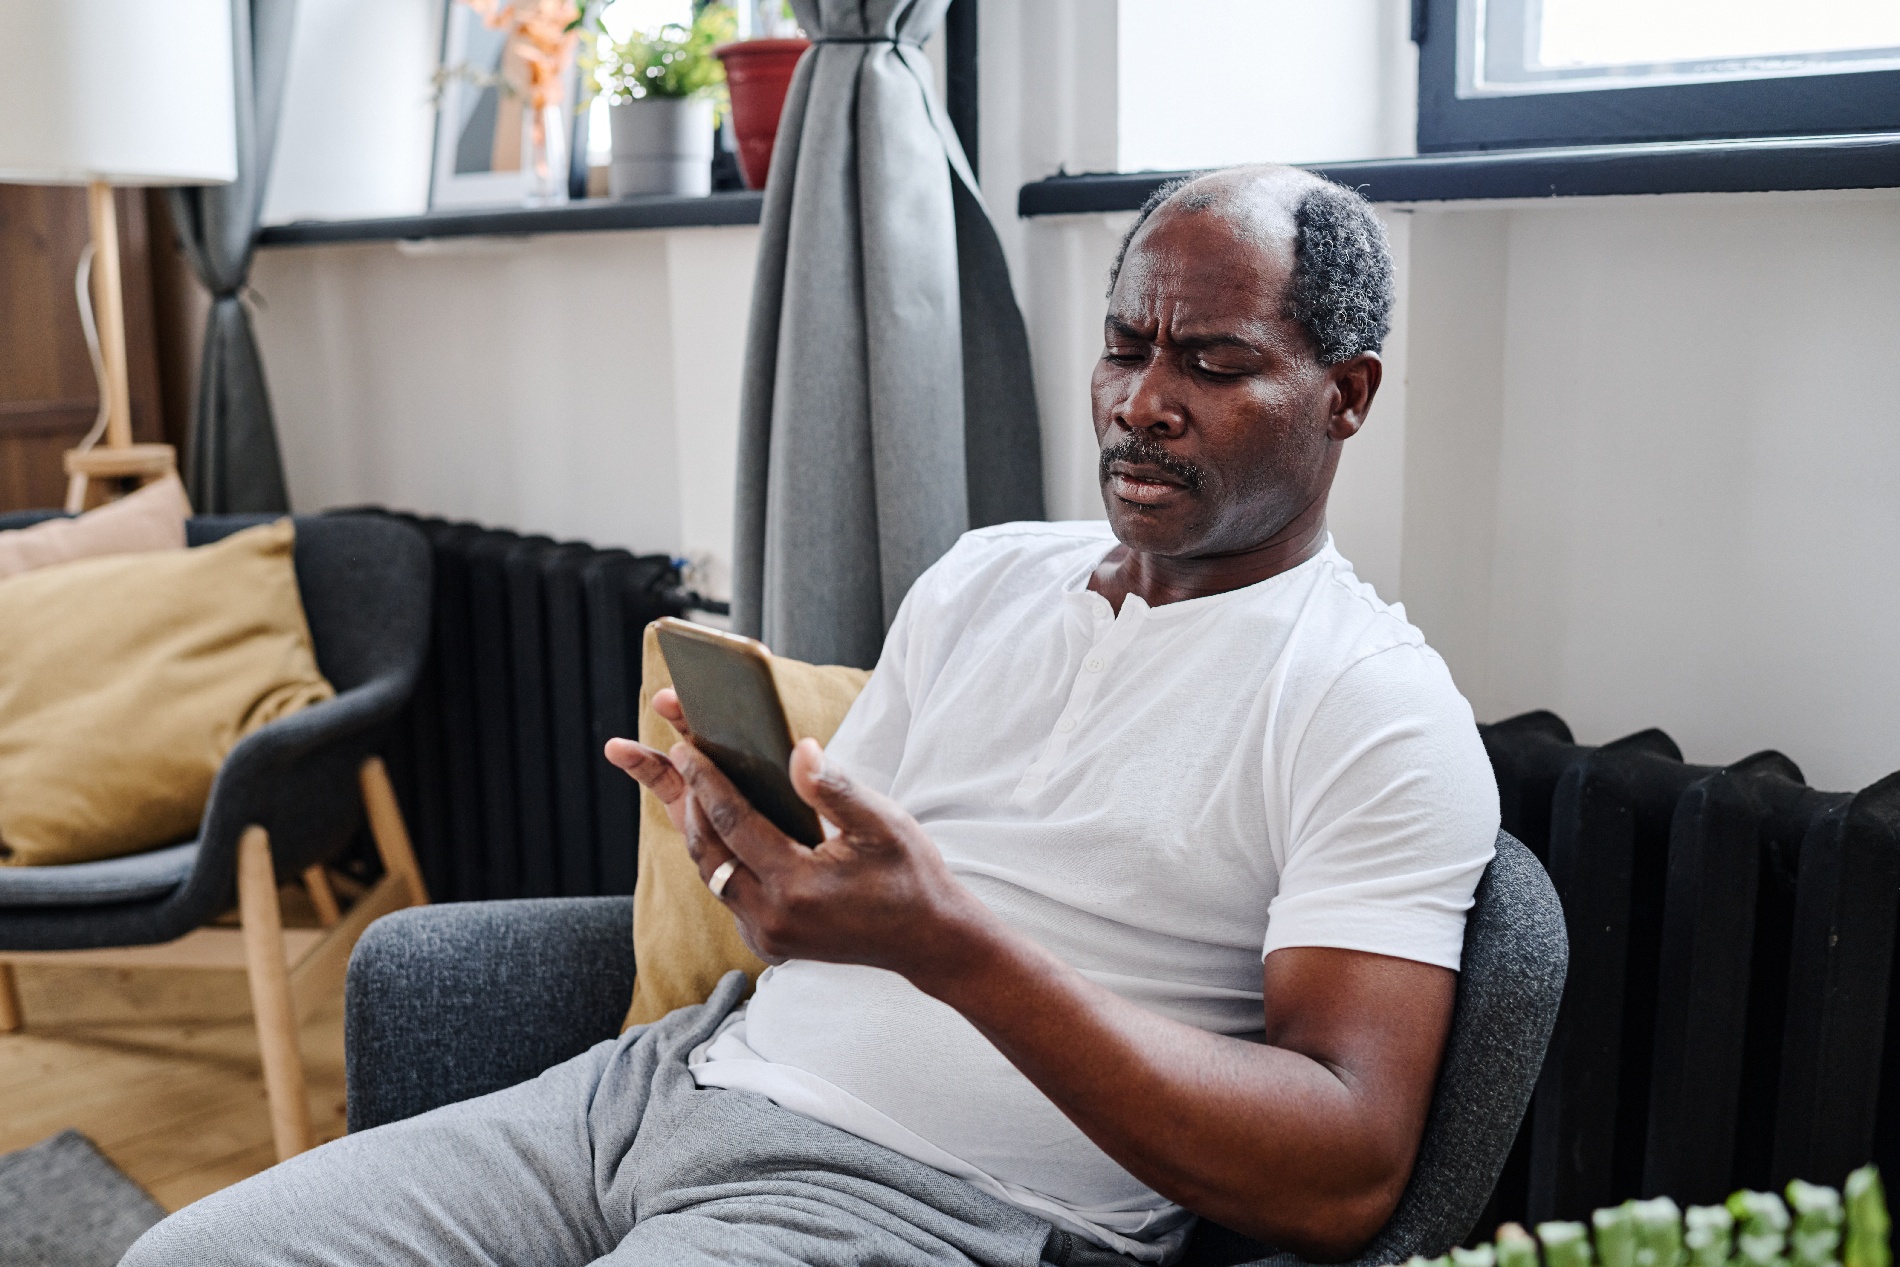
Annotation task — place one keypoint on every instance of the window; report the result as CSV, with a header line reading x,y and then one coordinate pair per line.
x,y
1506,73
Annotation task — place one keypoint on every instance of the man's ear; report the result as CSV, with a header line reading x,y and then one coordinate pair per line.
x,y
1355,382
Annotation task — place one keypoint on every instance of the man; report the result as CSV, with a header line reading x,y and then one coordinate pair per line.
x,y
1143,896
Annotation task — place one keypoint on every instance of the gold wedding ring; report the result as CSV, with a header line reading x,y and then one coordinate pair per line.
x,y
721,874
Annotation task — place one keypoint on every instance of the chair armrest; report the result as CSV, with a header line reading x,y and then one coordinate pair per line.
x,y
349,713
297,778
448,1002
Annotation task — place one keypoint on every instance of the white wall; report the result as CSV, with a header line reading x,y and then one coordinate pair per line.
x,y
1651,462
1046,102
581,385
359,123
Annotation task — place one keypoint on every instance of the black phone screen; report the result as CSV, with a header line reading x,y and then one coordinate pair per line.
x,y
733,709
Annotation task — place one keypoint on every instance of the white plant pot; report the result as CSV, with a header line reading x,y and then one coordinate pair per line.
x,y
661,145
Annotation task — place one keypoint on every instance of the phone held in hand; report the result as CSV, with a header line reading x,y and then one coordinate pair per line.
x,y
725,687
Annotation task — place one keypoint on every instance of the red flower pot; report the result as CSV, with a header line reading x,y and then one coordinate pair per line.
x,y
758,72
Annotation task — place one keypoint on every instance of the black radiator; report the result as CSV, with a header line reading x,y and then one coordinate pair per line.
x,y
1726,1021
534,663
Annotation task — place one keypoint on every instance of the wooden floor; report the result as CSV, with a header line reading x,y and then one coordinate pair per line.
x,y
159,1068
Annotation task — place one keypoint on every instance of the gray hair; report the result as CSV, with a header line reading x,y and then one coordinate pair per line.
x,y
1341,288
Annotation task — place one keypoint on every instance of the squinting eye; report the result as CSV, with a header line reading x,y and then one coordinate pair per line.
x,y
1218,371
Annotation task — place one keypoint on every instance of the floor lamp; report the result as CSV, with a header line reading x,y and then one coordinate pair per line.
x,y
114,92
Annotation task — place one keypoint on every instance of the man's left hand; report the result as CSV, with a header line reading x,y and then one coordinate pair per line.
x,y
875,891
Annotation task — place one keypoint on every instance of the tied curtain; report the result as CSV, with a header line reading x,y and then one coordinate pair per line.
x,y
231,463
887,404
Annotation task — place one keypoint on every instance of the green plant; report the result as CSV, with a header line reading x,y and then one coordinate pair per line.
x,y
1761,1229
1866,1243
1515,1247
1813,1227
1616,1236
1658,1227
674,61
1708,1235
1816,1233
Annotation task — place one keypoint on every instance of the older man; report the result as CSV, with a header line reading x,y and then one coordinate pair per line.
x,y
1151,847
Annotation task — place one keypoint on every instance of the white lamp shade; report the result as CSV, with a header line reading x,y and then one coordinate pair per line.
x,y
135,92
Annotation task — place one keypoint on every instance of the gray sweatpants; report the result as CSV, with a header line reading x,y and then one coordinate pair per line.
x,y
614,1157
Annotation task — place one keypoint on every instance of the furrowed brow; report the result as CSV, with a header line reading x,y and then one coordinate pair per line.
x,y
1116,328
1202,341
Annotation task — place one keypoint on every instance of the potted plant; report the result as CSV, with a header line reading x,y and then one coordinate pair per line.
x,y
758,73
664,88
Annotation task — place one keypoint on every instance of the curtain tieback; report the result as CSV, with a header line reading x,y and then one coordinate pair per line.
x,y
867,39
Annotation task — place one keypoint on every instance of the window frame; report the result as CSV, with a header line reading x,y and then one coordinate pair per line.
x,y
1796,105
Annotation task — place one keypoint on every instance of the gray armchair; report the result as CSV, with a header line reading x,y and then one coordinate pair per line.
x,y
288,798
456,1001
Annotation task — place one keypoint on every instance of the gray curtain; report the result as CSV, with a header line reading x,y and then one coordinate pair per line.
x,y
887,403
231,463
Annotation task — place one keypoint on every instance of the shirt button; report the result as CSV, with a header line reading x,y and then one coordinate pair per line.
x,y
1093,664
1066,725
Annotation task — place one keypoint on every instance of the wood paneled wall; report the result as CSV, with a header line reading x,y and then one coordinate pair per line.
x,y
48,395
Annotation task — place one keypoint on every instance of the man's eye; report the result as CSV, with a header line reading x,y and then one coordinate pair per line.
x,y
1122,356
1216,370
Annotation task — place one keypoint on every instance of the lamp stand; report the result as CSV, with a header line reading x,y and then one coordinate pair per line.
x,y
117,458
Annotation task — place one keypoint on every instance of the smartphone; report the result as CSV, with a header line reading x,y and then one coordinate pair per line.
x,y
725,687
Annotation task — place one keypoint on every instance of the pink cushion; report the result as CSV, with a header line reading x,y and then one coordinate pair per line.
x,y
151,519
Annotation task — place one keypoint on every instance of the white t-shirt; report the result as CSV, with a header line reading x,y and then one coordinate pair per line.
x,y
1161,798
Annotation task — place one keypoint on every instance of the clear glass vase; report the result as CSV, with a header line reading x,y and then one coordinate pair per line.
x,y
544,154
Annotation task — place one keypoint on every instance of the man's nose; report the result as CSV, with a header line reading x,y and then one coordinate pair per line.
x,y
1151,404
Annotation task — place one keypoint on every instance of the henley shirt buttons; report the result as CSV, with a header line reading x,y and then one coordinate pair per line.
x,y
1093,664
1066,725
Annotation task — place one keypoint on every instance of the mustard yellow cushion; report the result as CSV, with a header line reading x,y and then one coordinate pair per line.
x,y
684,939
151,519
125,680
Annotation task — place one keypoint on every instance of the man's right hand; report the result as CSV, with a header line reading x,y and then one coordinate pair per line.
x,y
653,769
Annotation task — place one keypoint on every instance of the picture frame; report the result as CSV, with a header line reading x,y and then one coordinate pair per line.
x,y
478,143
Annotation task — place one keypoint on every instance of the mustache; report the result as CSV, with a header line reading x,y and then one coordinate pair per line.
x,y
1136,449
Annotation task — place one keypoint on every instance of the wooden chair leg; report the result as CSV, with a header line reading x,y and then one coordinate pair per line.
x,y
270,996
386,825
10,1016
316,882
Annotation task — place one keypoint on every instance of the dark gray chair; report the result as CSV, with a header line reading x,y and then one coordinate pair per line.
x,y
452,1002
289,797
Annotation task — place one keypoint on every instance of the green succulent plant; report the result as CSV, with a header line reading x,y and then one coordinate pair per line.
x,y
1866,1243
1658,1226
1515,1247
1565,1244
1708,1235
1814,1239
1615,1235
1761,1228
1814,1226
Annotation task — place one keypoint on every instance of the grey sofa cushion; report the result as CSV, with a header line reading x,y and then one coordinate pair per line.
x,y
138,877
